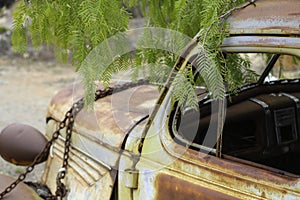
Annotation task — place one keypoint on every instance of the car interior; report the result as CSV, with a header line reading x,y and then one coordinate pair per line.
x,y
262,123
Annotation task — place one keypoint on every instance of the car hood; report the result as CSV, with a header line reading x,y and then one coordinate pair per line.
x,y
112,116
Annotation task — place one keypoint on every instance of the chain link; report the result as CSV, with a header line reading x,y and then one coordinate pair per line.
x,y
68,123
39,157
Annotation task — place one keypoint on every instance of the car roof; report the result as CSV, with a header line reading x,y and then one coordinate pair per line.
x,y
275,17
265,26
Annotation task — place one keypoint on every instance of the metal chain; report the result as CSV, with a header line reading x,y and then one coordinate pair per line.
x,y
67,123
37,160
61,190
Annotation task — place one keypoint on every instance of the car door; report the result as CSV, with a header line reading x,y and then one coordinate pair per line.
x,y
172,169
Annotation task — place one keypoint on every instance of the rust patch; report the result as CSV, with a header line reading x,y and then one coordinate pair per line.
x,y
263,8
170,187
112,116
231,165
68,95
295,13
268,16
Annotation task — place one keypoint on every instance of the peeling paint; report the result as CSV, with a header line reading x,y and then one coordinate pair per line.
x,y
281,17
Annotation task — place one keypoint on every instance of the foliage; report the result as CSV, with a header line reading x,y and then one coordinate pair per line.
x,y
76,27
3,29
189,17
70,25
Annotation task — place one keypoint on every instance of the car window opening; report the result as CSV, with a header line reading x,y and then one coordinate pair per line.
x,y
262,125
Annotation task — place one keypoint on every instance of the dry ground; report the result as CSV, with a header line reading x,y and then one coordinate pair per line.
x,y
26,88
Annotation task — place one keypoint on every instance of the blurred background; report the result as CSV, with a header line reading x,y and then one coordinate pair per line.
x,y
27,84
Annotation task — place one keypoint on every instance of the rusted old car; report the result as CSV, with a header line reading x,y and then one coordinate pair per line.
x,y
118,153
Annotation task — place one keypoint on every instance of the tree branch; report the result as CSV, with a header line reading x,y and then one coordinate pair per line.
x,y
251,2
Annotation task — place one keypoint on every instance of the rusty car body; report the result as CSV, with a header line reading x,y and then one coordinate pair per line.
x,y
152,150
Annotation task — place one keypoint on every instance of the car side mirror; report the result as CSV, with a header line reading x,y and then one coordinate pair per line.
x,y
20,144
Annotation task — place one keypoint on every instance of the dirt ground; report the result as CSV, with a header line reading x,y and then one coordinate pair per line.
x,y
26,88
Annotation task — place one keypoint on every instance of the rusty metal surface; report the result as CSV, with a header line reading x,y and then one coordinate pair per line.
x,y
262,44
219,178
262,41
226,178
267,17
97,138
86,176
246,180
22,191
112,115
171,187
